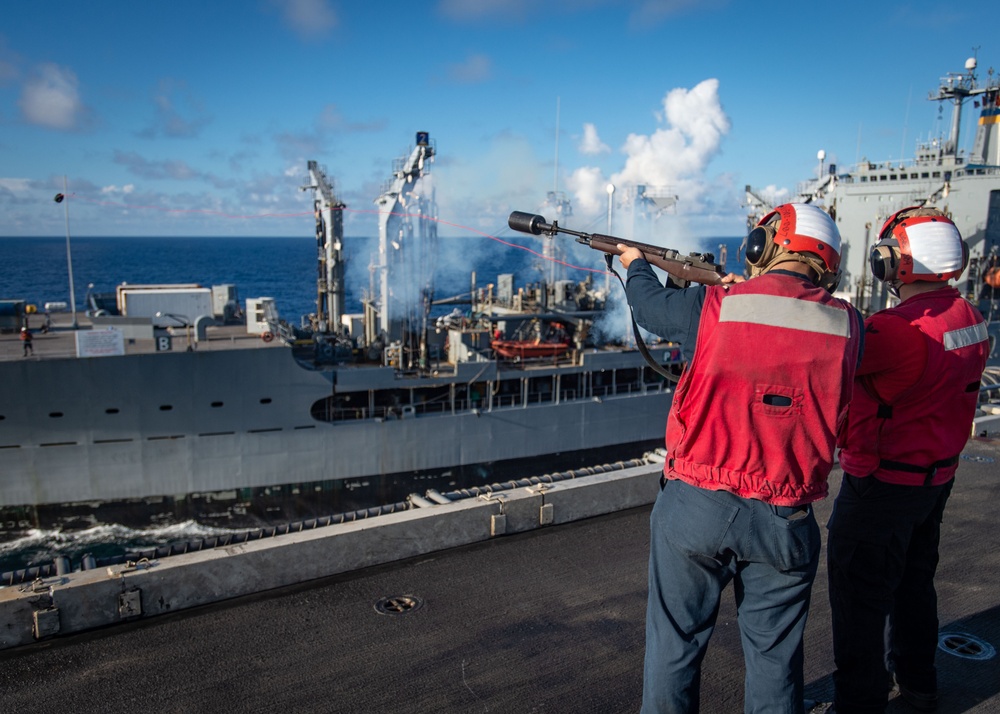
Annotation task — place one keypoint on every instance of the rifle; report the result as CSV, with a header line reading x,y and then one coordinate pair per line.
x,y
691,268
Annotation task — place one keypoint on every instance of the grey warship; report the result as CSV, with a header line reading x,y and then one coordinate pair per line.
x,y
341,403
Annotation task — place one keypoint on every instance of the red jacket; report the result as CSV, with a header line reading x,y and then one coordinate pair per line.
x,y
918,437
758,409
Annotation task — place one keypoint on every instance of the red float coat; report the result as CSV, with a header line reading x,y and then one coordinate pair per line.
x,y
758,408
917,436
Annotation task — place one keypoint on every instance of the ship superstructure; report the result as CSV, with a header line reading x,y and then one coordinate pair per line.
x,y
965,185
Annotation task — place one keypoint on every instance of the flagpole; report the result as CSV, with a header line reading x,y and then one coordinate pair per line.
x,y
64,198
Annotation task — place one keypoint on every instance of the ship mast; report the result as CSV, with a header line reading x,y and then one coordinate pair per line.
x,y
557,203
329,213
956,88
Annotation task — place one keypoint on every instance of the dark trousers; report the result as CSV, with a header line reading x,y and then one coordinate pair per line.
x,y
882,554
700,541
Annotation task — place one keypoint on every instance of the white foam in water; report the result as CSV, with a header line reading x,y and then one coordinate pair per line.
x,y
39,547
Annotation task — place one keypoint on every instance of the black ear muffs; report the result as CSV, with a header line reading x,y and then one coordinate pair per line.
x,y
884,260
757,242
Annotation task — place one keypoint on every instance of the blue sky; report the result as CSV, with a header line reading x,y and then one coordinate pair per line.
x,y
197,118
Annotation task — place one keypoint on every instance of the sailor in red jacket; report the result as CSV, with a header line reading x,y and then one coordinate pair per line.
x,y
911,415
26,341
750,438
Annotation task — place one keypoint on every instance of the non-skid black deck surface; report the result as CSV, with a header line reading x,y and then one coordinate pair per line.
x,y
550,621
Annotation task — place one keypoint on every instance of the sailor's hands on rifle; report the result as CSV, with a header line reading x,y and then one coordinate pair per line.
x,y
629,254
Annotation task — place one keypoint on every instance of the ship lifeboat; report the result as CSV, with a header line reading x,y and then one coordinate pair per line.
x,y
549,340
528,349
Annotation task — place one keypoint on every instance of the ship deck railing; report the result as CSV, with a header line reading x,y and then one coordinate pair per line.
x,y
500,401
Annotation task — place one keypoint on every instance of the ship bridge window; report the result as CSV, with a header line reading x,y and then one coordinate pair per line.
x,y
936,174
925,175
864,179
913,176
112,410
166,407
893,177
265,400
216,405
56,415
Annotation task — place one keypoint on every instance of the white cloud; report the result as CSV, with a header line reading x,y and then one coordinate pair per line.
x,y
472,10
51,97
673,157
15,185
591,143
653,12
476,68
589,189
774,195
112,189
179,113
309,19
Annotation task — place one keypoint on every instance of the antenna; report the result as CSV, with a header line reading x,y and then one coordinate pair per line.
x,y
555,178
906,123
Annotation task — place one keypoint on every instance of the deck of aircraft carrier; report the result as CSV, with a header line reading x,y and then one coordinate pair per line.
x,y
550,620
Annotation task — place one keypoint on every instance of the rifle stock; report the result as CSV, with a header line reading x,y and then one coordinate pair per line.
x,y
695,267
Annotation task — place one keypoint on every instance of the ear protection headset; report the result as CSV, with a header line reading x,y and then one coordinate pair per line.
x,y
759,243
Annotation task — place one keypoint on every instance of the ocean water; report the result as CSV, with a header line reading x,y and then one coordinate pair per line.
x,y
35,270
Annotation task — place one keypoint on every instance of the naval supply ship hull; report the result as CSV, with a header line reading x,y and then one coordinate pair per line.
x,y
149,425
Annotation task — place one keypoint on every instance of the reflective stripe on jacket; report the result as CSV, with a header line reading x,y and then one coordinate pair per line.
x,y
758,409
917,439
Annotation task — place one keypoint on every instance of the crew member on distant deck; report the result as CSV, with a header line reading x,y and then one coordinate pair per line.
x,y
26,341
914,402
750,439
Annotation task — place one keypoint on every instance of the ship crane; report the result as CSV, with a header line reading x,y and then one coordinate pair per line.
x,y
407,247
329,211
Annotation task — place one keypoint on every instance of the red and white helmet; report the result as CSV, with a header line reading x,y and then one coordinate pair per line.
x,y
919,244
804,229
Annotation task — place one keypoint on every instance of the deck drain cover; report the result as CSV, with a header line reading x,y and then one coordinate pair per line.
x,y
398,605
965,646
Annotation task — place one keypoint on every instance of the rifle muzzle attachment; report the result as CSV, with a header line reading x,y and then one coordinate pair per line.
x,y
528,223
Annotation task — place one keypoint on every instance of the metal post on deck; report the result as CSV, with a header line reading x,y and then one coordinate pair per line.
x,y
64,199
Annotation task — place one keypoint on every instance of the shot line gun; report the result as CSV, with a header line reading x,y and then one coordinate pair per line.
x,y
684,269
